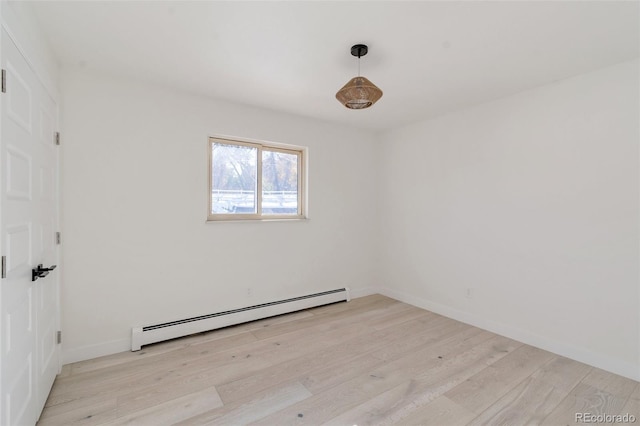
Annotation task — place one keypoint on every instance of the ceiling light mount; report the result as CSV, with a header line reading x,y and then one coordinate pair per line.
x,y
359,50
359,92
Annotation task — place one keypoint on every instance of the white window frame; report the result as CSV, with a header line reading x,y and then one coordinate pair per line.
x,y
260,146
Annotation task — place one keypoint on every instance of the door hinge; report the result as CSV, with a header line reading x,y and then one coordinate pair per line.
x,y
4,81
59,336
4,266
57,238
57,138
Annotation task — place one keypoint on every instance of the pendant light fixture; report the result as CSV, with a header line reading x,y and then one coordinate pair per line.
x,y
359,92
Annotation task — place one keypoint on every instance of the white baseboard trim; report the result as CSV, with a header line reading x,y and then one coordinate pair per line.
x,y
583,355
97,350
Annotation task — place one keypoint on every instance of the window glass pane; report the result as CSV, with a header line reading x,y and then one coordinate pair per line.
x,y
234,171
279,183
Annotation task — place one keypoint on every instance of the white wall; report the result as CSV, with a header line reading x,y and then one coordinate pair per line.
x,y
136,246
532,202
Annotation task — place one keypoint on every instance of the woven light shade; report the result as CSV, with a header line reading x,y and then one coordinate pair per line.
x,y
359,93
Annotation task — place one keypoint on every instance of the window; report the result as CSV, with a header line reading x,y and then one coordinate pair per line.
x,y
251,180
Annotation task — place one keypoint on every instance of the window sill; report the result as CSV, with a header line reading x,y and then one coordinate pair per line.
x,y
271,219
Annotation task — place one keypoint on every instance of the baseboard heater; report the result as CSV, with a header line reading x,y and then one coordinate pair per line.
x,y
141,336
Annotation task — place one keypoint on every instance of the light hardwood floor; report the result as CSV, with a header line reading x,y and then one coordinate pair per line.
x,y
372,361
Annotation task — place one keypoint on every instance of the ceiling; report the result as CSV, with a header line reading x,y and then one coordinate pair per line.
x,y
429,58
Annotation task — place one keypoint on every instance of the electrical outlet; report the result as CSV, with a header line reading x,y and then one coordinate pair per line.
x,y
249,292
469,293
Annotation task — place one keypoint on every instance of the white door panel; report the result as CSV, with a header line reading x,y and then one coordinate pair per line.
x,y
29,310
19,99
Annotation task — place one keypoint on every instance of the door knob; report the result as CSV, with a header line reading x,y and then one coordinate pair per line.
x,y
40,272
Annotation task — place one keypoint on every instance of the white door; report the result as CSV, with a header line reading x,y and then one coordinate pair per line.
x,y
29,354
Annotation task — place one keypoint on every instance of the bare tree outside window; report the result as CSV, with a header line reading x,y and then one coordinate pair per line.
x,y
234,179
279,183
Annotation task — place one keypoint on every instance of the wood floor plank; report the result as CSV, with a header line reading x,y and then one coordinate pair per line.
x,y
409,313
599,393
330,357
256,408
92,411
439,412
149,396
584,399
444,373
481,390
124,378
537,396
562,373
633,404
611,383
140,365
329,376
334,401
529,403
436,328
174,411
